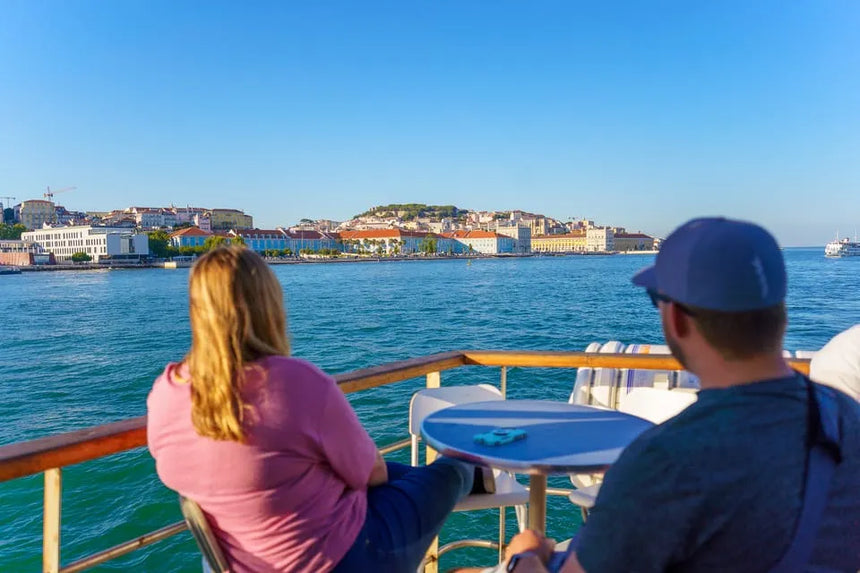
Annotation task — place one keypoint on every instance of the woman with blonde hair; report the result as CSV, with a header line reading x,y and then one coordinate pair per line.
x,y
271,450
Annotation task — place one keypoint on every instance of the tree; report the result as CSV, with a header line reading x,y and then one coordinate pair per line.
x,y
81,257
428,246
11,231
237,240
214,242
8,215
159,244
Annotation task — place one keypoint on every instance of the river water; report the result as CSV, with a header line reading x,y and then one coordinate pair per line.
x,y
79,349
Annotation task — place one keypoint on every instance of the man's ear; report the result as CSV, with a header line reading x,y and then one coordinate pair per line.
x,y
679,320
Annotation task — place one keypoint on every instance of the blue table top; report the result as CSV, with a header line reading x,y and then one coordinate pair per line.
x,y
560,437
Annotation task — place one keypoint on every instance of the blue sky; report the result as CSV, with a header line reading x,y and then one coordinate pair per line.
x,y
640,114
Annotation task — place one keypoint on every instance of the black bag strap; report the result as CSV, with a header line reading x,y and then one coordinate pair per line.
x,y
824,456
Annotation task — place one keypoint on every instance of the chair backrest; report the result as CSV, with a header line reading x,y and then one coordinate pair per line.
x,y
597,386
607,387
425,402
584,379
206,540
656,405
805,354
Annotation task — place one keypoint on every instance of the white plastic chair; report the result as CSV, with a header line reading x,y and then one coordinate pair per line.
x,y
596,386
509,492
653,404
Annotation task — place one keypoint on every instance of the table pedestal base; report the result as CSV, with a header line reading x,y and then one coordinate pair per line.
x,y
537,503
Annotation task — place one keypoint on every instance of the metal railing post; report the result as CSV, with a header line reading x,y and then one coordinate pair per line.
x,y
504,382
434,380
51,521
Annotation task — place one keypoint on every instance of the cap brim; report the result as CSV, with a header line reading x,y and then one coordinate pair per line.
x,y
646,278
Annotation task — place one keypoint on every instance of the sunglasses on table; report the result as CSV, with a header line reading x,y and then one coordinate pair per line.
x,y
657,298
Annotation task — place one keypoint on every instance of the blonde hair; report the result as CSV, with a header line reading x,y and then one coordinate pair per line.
x,y
237,317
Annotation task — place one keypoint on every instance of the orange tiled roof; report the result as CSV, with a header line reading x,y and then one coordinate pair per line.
x,y
191,232
473,235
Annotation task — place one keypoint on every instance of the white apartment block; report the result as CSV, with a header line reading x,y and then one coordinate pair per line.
x,y
155,218
98,242
599,239
521,234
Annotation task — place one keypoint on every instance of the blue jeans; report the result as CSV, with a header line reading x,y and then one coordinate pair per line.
x,y
405,515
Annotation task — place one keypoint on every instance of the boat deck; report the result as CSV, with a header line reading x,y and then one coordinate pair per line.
x,y
50,455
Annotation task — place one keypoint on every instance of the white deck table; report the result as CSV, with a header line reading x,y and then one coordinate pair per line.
x,y
560,439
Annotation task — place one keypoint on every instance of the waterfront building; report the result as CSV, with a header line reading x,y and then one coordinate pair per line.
x,y
633,242
600,239
520,233
23,253
485,242
447,245
226,219
261,240
311,241
387,241
35,213
189,237
567,243
98,242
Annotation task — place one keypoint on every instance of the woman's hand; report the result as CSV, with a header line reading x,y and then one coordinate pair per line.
x,y
530,540
379,473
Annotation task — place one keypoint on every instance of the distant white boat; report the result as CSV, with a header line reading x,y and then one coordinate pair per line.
x,y
9,270
839,248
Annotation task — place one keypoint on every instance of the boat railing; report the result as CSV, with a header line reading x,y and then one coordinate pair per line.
x,y
49,455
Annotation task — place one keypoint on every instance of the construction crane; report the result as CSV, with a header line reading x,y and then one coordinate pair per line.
x,y
49,195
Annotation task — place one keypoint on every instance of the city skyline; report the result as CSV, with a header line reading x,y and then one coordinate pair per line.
x,y
626,114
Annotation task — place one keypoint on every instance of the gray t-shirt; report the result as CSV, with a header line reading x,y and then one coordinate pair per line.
x,y
719,488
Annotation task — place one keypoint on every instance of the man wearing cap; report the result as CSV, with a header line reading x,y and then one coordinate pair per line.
x,y
722,486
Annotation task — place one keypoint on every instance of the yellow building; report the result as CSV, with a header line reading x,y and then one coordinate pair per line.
x,y
35,212
633,242
569,243
225,219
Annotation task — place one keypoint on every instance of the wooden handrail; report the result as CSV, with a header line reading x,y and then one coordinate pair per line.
x,y
35,456
543,359
398,371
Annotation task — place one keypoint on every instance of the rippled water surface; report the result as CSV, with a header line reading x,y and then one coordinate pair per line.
x,y
82,348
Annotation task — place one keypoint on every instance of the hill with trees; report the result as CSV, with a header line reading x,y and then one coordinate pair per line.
x,y
411,211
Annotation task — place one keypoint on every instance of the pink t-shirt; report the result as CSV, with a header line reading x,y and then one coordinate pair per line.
x,y
294,497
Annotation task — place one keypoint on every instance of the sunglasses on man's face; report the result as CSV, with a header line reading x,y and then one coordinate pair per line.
x,y
657,298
